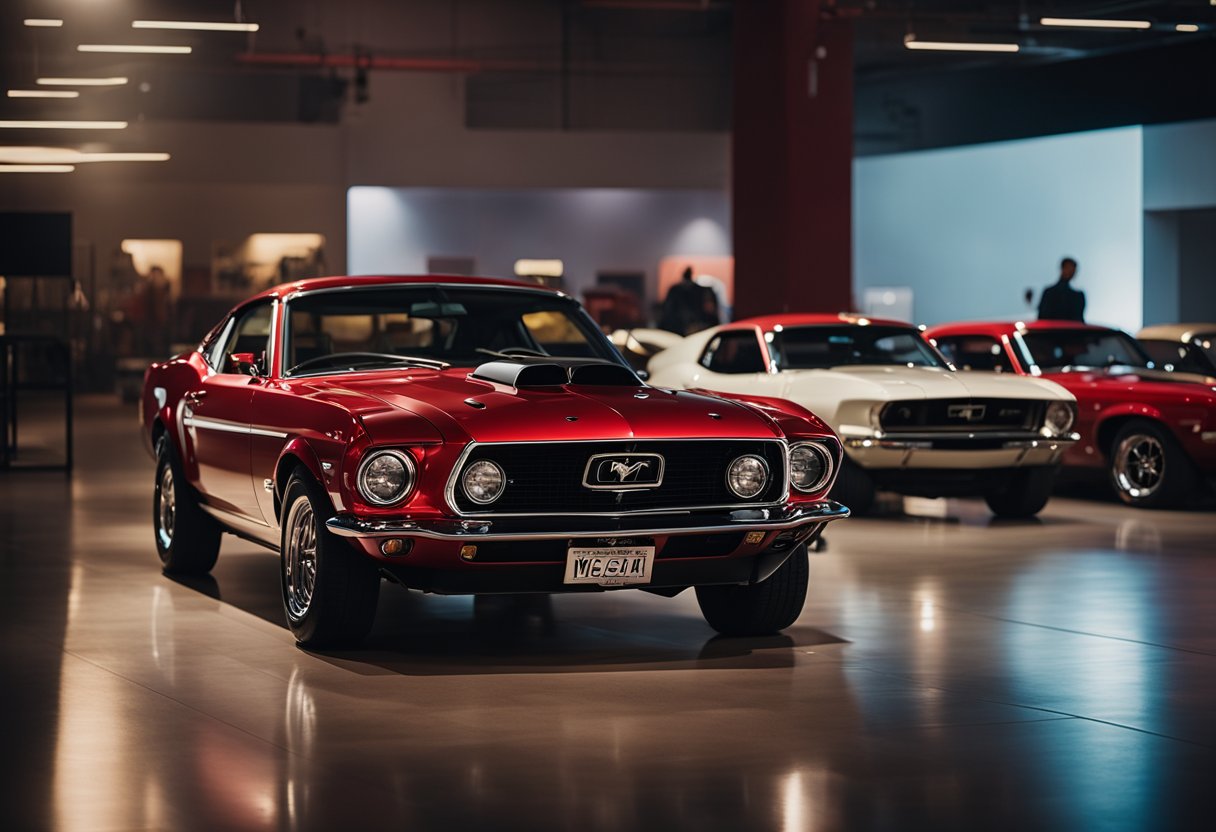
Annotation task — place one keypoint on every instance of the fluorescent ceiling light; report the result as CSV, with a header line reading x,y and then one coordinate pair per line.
x,y
44,22
64,125
134,48
1084,23
1186,27
36,168
115,81
27,155
951,46
194,26
43,94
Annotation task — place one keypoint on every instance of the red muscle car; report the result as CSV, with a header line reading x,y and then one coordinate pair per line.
x,y
471,435
1152,430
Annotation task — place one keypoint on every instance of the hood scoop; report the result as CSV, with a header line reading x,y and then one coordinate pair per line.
x,y
554,372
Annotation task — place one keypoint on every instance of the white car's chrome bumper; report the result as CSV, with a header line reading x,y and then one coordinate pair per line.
x,y
956,450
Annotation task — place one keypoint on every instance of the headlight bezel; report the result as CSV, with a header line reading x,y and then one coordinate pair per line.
x,y
829,468
410,469
502,475
1050,428
764,482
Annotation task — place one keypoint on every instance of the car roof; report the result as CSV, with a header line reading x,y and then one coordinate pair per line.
x,y
769,322
1175,332
1005,327
338,282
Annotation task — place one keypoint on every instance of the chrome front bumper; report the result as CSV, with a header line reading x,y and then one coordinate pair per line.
x,y
557,527
957,450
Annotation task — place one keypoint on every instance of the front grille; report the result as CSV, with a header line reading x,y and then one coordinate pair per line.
x,y
946,415
547,477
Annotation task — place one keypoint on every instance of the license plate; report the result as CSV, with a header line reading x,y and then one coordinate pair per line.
x,y
609,565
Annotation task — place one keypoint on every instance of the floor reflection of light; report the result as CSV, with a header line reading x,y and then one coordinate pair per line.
x,y
1096,609
793,810
92,713
927,617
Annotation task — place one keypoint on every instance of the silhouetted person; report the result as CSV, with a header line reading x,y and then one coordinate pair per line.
x,y
688,307
1061,302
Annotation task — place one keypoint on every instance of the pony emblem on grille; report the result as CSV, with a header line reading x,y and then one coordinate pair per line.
x,y
623,472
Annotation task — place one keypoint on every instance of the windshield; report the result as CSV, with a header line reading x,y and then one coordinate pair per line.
x,y
821,347
1084,349
385,326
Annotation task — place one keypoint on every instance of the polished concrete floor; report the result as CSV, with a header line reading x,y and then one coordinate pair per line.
x,y
949,672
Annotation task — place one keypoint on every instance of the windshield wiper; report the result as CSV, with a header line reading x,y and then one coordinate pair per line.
x,y
352,360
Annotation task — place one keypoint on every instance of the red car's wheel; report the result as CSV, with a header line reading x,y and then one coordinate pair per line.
x,y
187,539
1148,468
758,609
330,590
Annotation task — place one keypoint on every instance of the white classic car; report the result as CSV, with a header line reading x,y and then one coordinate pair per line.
x,y
908,422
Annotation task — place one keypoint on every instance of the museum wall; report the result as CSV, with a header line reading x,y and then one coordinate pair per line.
x,y
969,229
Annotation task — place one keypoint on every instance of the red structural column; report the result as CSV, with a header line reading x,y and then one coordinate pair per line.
x,y
792,158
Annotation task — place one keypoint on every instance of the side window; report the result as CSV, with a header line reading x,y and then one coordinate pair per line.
x,y
975,352
1174,355
734,352
249,334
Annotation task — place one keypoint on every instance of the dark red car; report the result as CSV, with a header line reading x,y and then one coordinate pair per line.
x,y
469,435
1153,431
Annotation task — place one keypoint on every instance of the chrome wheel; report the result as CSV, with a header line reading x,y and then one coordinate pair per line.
x,y
1139,468
300,558
166,509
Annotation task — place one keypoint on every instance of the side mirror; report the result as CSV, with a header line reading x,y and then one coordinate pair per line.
x,y
242,363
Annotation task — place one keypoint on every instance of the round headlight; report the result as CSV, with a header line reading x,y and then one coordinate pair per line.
x,y
1059,418
747,476
810,467
483,481
385,477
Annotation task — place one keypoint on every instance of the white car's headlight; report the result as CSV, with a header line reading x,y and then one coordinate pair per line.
x,y
483,481
810,466
747,476
386,477
1059,418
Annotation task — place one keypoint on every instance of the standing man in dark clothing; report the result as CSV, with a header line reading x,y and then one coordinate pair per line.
x,y
689,307
1061,302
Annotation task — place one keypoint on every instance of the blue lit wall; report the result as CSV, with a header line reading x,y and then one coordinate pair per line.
x,y
970,229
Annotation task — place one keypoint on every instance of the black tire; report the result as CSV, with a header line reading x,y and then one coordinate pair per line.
x,y
187,538
1148,468
758,609
1024,494
329,588
854,488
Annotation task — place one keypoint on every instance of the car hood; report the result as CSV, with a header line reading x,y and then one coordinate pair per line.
x,y
886,383
1114,378
464,408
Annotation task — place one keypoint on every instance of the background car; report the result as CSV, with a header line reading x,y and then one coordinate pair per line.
x,y
908,422
464,435
1182,348
1153,431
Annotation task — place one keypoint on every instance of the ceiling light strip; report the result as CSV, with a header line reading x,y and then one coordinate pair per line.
x,y
1086,23
36,168
1186,27
194,26
960,46
43,22
62,125
114,81
134,49
43,94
